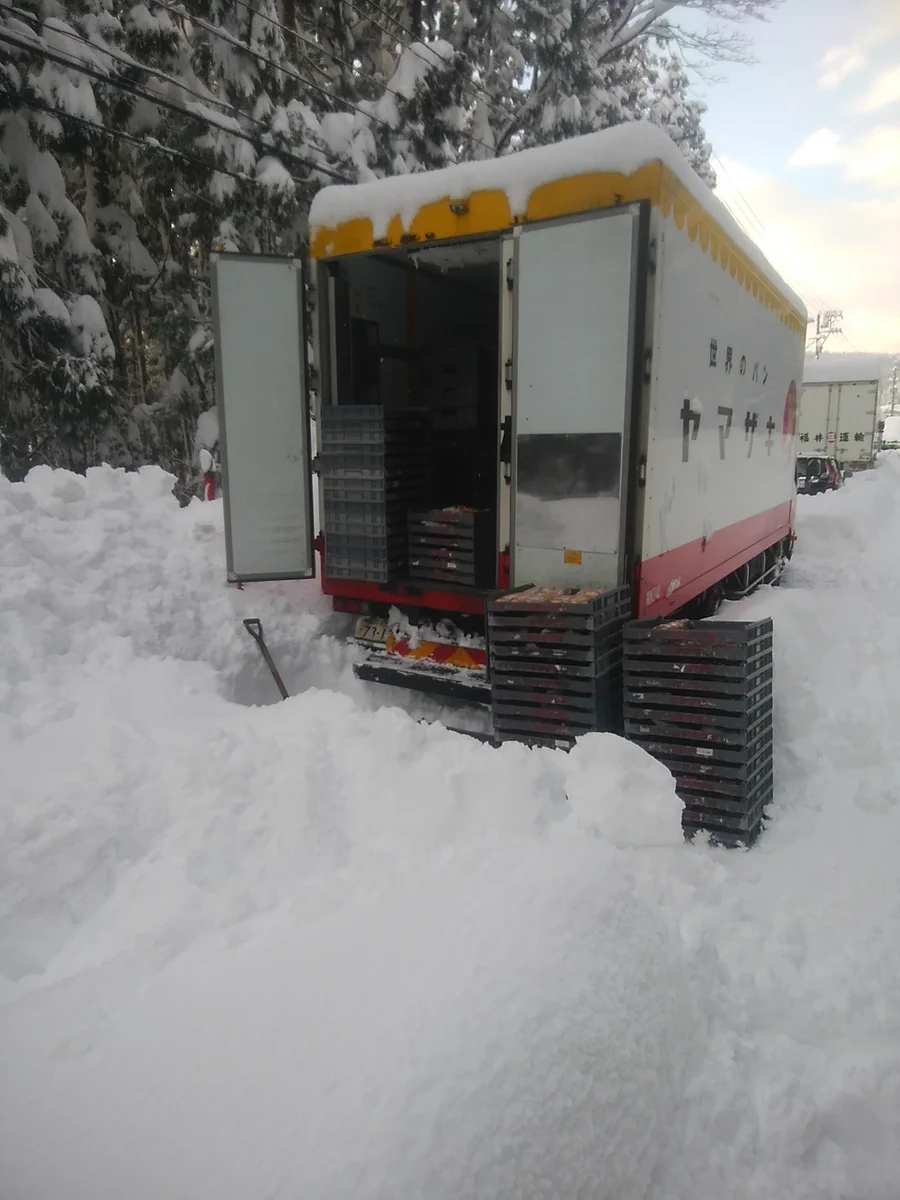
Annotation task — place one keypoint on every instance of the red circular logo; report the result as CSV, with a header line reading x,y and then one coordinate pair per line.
x,y
789,425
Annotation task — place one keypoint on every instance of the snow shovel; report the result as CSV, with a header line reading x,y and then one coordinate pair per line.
x,y
253,625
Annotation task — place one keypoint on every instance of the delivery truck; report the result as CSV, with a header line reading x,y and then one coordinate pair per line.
x,y
566,368
839,409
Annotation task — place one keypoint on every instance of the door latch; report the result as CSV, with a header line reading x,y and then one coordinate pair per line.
x,y
506,441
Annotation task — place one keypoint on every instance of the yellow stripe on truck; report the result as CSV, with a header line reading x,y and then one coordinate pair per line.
x,y
489,212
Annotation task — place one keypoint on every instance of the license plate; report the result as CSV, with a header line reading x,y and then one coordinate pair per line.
x,y
372,629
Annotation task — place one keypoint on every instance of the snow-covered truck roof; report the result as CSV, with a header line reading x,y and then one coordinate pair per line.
x,y
843,368
628,163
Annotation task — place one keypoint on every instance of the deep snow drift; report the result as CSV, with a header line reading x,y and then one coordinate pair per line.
x,y
318,949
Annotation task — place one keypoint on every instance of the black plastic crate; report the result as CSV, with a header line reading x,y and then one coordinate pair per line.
x,y
565,602
524,737
363,490
351,545
454,573
469,570
459,523
523,701
728,695
412,476
538,671
335,417
368,524
452,545
725,776
658,724
762,792
537,715
727,839
699,639
561,733
693,721
732,822
699,788
698,698
706,754
556,663
386,455
349,413
363,571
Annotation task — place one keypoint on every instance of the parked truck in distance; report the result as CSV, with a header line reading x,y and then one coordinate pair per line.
x,y
839,409
566,368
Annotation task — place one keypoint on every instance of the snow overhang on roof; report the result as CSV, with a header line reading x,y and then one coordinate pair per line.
x,y
843,368
628,163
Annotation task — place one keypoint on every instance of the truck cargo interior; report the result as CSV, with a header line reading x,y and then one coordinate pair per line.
x,y
416,331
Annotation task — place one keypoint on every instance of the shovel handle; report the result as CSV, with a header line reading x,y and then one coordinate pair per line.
x,y
253,625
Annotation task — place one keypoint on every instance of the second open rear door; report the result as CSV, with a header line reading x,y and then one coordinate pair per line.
x,y
575,305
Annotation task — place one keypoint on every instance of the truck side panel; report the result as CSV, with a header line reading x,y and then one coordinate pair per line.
x,y
856,426
721,428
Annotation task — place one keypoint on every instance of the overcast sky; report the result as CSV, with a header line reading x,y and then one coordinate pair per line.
x,y
809,142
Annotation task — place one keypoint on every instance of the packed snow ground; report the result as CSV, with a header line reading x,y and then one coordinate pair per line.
x,y
321,950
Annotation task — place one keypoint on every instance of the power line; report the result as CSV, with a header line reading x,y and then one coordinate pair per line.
x,y
80,67
128,61
358,71
468,85
224,35
851,344
149,143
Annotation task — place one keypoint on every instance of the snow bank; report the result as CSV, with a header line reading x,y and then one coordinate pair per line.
x,y
320,949
436,967
843,368
623,149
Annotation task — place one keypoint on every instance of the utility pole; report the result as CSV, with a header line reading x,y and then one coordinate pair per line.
x,y
893,390
827,323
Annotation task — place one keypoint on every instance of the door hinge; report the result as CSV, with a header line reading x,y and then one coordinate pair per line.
x,y
651,256
642,471
648,365
315,464
510,275
508,374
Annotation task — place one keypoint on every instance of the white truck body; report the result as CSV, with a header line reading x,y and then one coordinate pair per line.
x,y
648,371
839,409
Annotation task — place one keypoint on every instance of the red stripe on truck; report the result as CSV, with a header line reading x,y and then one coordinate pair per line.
x,y
677,576
665,583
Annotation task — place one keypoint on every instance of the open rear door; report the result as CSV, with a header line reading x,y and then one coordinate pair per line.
x,y
260,348
575,306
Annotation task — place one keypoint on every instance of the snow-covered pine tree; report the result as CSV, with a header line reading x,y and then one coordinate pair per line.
x,y
552,68
181,127
58,400
670,106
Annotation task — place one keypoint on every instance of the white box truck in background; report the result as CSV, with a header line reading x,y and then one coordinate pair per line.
x,y
577,344
839,409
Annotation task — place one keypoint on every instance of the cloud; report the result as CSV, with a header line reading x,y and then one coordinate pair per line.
x,y
878,22
838,64
830,250
821,149
884,91
873,157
